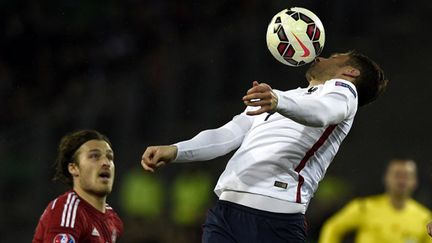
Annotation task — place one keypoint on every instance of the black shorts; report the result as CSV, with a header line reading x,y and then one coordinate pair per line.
x,y
229,222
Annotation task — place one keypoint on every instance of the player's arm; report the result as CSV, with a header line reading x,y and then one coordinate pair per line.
x,y
343,222
332,106
206,145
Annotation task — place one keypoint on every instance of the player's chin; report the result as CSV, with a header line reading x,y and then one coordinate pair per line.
x,y
103,190
104,187
105,181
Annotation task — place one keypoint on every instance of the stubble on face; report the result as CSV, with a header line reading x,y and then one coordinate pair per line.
x,y
96,168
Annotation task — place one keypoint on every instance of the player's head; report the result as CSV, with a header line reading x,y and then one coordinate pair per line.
x,y
85,162
401,177
364,73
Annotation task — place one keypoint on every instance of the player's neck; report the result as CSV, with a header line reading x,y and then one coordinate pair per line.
x,y
96,201
398,201
315,82
318,81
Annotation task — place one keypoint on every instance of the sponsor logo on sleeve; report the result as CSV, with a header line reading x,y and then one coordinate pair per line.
x,y
338,83
64,238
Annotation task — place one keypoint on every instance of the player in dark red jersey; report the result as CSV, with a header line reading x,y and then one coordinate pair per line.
x,y
85,162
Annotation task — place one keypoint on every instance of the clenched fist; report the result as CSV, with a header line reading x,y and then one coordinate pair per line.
x,y
157,156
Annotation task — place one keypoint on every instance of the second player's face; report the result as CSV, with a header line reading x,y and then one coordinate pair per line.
x,y
401,179
95,169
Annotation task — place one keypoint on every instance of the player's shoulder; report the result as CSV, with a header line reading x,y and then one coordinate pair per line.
x,y
114,216
61,220
64,210
58,203
111,212
69,198
374,200
368,201
341,85
419,208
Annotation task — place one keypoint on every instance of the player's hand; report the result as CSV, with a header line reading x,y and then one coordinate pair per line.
x,y
429,228
261,94
157,156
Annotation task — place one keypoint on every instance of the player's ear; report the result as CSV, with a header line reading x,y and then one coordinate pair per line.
x,y
351,72
73,169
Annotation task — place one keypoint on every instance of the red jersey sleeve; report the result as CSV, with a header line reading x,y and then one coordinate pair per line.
x,y
61,221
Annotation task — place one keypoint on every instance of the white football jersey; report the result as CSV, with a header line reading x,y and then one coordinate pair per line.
x,y
283,155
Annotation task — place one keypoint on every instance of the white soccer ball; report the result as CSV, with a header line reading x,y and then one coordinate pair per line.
x,y
295,36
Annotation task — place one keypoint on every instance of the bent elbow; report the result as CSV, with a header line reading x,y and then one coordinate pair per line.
x,y
324,119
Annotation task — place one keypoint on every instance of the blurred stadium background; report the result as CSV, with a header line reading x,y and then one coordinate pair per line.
x,y
156,72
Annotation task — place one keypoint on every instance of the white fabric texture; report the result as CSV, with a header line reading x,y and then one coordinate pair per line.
x,y
283,155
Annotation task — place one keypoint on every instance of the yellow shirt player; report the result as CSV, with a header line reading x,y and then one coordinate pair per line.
x,y
389,218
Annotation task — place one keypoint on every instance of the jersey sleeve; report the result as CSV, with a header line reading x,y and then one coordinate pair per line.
x,y
38,236
336,102
213,143
343,222
59,222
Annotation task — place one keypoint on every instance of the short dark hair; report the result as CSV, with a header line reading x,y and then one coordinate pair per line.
x,y
371,83
401,160
66,153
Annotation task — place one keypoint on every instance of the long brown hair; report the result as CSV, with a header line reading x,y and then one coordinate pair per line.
x,y
67,148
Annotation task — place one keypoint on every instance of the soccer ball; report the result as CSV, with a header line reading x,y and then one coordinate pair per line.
x,y
295,36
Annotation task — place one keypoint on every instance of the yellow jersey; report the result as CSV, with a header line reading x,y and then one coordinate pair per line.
x,y
375,220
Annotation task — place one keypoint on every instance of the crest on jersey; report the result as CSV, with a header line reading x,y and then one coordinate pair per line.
x,y
64,238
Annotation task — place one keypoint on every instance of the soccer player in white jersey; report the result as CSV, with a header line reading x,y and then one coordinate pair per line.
x,y
285,141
